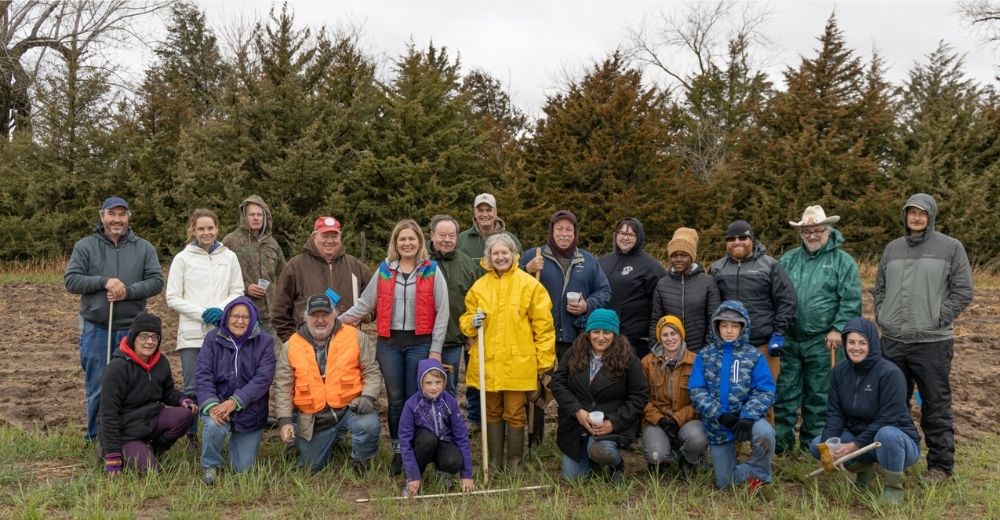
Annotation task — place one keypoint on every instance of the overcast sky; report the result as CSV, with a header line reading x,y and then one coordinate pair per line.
x,y
531,45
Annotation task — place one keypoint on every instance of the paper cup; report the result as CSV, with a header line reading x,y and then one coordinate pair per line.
x,y
573,297
264,284
833,443
596,418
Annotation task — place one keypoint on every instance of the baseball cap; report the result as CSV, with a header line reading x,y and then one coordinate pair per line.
x,y
318,303
114,202
485,198
324,224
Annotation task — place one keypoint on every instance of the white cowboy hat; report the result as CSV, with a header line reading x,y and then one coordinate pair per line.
x,y
815,216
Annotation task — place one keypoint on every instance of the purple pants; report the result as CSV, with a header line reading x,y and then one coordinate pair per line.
x,y
171,425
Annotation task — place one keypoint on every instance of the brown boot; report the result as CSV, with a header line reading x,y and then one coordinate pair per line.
x,y
495,444
515,448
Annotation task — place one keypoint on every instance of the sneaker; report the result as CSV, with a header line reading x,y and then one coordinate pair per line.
x,y
396,466
937,476
755,485
209,476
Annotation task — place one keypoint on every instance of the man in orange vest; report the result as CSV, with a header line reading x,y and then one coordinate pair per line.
x,y
328,374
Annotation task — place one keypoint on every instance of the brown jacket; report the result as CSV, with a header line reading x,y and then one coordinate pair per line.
x,y
306,274
668,392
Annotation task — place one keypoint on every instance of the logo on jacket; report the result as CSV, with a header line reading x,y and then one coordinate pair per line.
x,y
868,387
626,270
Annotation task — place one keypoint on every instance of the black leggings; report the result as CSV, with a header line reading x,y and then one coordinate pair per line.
x,y
428,448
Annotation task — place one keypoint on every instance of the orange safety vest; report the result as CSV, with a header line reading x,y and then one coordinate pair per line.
x,y
343,372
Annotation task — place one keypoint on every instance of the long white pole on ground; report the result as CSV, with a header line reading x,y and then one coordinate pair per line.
x,y
482,400
111,321
443,495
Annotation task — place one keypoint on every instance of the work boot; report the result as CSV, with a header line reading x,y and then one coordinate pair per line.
x,y
396,465
209,476
515,449
936,476
538,428
685,469
618,474
495,444
865,474
893,492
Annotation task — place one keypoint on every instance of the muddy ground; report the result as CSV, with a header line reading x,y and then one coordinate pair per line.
x,y
41,383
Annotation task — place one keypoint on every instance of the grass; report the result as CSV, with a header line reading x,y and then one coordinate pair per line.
x,y
55,475
35,271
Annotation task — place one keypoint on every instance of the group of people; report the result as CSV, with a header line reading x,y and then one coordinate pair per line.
x,y
690,360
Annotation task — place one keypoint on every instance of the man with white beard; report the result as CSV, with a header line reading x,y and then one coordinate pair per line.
x,y
828,294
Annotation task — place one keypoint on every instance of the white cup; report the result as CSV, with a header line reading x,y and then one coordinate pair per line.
x,y
573,297
264,284
596,418
833,443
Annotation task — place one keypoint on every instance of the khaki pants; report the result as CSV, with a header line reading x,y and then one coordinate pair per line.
x,y
774,363
506,406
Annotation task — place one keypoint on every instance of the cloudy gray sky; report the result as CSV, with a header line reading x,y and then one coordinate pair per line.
x,y
530,46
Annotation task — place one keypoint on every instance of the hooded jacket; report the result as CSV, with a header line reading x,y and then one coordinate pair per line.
x,y
584,276
827,287
308,273
692,296
260,256
473,243
760,283
96,259
199,280
441,416
866,396
632,277
461,271
241,368
730,377
923,282
132,397
519,344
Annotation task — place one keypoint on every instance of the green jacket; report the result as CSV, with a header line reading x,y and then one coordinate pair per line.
x,y
259,256
827,287
472,243
461,272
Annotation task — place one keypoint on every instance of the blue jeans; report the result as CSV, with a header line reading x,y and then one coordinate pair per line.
x,y
364,429
242,445
452,355
399,372
471,398
728,472
898,450
592,452
93,359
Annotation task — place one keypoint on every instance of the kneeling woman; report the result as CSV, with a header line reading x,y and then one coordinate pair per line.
x,y
599,376
866,403
235,370
142,413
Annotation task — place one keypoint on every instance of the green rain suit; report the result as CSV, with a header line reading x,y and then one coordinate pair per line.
x,y
828,289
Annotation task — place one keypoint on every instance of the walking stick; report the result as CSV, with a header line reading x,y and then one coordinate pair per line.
x,y
482,399
531,405
442,495
111,319
833,357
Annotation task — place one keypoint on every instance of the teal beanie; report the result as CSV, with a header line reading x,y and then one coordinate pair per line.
x,y
603,319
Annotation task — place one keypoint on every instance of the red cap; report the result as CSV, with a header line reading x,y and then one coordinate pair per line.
x,y
324,224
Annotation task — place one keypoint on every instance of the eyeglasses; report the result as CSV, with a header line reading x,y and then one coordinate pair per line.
x,y
627,234
813,232
736,239
148,336
239,317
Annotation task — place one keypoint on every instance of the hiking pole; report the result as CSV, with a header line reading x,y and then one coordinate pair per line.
x,y
482,398
442,495
111,319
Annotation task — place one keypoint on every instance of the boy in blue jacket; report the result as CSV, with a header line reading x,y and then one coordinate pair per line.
x,y
432,429
732,389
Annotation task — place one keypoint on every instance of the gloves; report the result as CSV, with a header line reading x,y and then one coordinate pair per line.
x,y
728,420
479,319
363,405
113,462
743,430
671,428
776,345
212,315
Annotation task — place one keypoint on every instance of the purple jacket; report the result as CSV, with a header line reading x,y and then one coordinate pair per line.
x,y
440,416
237,367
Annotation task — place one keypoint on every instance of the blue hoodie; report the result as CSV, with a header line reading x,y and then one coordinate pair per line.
x,y
440,416
866,396
730,377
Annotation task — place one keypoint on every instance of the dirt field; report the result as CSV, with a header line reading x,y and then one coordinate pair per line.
x,y
41,383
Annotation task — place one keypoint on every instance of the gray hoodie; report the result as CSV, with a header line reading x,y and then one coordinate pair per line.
x,y
923,282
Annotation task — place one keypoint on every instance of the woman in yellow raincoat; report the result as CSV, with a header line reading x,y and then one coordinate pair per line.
x,y
515,312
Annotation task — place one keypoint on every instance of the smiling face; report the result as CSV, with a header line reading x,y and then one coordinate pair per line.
x,y
486,217
814,237
916,219
670,339
115,221
563,232
857,347
600,340
238,321
680,262
729,330
444,236
205,231
327,243
320,324
739,247
501,258
407,244
625,237
255,217
432,384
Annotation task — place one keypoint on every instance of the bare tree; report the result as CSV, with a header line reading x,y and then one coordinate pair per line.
x,y
70,29
984,14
